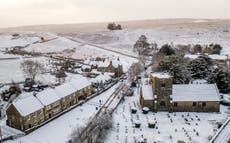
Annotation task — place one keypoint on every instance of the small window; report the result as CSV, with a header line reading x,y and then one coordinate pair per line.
x,y
175,104
204,104
163,85
194,104
28,118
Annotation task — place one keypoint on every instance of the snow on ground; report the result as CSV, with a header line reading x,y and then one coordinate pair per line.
x,y
8,41
56,45
58,130
11,70
5,56
62,46
86,51
124,40
123,127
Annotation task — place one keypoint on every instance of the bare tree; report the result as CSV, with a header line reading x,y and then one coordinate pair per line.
x,y
134,70
142,59
141,44
95,131
60,74
75,136
32,68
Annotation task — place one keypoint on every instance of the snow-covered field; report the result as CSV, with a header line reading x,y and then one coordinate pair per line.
x,y
59,130
124,40
168,124
11,70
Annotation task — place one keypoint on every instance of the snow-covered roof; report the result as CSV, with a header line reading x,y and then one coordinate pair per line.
x,y
80,82
161,75
64,90
27,105
116,63
86,67
199,81
103,64
93,63
218,57
213,56
101,77
191,56
147,92
195,92
48,96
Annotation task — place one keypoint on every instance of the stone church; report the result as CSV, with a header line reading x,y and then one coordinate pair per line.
x,y
160,94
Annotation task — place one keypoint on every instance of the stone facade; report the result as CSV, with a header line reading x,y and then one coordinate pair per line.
x,y
28,122
16,120
52,109
118,71
185,106
162,89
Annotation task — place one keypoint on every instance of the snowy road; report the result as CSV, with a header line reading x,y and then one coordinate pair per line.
x,y
223,135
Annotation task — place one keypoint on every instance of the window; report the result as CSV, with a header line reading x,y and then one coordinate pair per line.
x,y
194,104
162,103
204,104
35,115
163,85
48,107
175,104
28,118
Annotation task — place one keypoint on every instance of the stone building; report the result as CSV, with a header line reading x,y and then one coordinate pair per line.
x,y
114,66
159,94
30,111
51,102
25,113
106,65
66,92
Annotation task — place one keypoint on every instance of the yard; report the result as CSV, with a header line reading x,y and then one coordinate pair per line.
x,y
169,127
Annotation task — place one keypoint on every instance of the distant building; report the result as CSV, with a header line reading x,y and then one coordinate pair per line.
x,y
221,60
86,68
159,94
112,66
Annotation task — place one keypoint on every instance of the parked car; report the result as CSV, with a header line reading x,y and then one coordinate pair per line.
x,y
225,100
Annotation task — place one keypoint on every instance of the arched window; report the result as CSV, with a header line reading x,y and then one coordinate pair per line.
x,y
162,103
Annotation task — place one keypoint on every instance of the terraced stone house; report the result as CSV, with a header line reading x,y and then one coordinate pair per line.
x,y
30,111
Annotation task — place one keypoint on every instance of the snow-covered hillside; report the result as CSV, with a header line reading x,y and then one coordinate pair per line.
x,y
23,39
124,40
111,45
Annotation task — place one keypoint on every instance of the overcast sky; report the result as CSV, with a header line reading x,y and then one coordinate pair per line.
x,y
36,12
